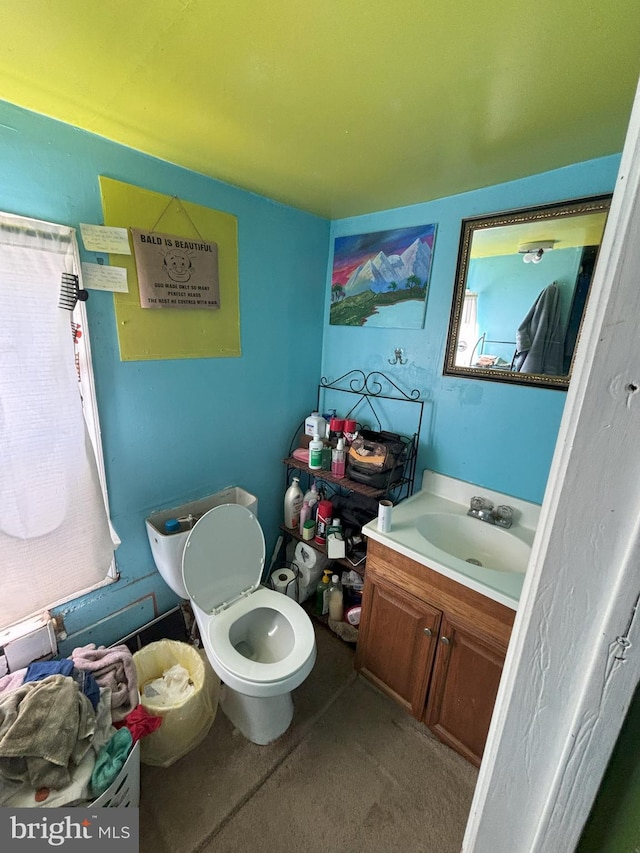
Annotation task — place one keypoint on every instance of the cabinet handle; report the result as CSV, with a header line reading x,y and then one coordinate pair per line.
x,y
428,632
445,640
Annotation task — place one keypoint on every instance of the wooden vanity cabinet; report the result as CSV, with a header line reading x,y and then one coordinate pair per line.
x,y
433,645
397,642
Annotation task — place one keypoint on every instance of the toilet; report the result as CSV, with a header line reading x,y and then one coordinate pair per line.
x,y
259,642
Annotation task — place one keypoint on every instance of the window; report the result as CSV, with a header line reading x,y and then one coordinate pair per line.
x,y
56,541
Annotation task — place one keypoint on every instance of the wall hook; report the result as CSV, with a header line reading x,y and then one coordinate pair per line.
x,y
397,358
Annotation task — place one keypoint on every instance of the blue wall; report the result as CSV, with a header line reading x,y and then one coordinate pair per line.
x,y
223,421
496,435
235,417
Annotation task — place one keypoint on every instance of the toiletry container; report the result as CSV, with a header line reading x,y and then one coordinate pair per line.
x,y
293,499
338,460
323,519
312,498
322,590
336,610
350,430
327,419
305,514
316,447
315,424
336,548
336,428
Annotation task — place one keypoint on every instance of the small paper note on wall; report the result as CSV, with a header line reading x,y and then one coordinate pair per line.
x,y
176,272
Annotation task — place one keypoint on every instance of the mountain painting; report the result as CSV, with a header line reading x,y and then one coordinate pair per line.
x,y
381,279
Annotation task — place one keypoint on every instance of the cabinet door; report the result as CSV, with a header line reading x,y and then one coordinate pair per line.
x,y
397,642
463,689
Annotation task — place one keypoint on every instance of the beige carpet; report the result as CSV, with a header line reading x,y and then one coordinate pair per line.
x,y
354,773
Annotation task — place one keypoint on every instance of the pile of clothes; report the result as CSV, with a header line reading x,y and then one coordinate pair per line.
x,y
67,727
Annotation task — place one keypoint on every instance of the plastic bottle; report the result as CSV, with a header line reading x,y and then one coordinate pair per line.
x,y
315,424
315,453
334,527
312,497
323,518
336,609
326,457
293,499
322,598
338,460
305,514
335,543
327,417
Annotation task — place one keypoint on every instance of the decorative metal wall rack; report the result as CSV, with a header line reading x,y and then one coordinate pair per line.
x,y
365,393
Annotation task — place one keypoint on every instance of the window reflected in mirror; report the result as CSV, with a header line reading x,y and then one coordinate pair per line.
x,y
521,289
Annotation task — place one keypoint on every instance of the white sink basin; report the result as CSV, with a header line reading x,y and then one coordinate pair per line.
x,y
474,541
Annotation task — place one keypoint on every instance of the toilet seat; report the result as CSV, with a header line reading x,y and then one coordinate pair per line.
x,y
218,630
223,557
222,566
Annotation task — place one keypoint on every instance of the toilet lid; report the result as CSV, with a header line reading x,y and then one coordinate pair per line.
x,y
223,556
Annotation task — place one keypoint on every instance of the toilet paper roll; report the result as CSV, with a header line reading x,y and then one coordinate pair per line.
x,y
310,564
306,556
284,580
307,580
384,516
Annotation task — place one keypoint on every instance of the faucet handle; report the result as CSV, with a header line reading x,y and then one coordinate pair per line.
x,y
504,515
479,503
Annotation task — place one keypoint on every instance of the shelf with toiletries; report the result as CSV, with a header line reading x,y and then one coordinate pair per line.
x,y
355,562
376,463
341,482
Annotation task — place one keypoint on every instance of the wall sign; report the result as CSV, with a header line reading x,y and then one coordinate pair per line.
x,y
176,272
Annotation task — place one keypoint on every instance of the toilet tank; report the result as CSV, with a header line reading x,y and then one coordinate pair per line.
x,y
167,548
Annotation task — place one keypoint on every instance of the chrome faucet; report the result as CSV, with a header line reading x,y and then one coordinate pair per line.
x,y
484,509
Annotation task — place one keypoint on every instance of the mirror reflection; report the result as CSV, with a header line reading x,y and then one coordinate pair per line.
x,y
521,288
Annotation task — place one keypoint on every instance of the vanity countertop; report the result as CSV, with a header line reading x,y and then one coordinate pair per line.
x,y
440,494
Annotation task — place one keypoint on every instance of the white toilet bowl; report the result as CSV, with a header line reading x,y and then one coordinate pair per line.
x,y
260,643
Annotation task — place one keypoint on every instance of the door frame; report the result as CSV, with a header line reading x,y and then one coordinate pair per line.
x,y
573,663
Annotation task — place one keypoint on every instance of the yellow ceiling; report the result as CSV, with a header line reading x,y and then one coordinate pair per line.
x,y
583,230
339,107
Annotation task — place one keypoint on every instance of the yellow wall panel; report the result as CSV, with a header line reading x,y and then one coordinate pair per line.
x,y
145,334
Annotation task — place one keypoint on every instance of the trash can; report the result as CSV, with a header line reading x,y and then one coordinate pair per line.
x,y
187,714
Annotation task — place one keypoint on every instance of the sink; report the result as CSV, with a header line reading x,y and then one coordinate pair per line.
x,y
474,541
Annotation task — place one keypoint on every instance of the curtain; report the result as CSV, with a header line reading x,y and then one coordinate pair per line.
x,y
55,535
468,335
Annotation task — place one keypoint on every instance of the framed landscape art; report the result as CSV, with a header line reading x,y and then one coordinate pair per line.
x,y
381,279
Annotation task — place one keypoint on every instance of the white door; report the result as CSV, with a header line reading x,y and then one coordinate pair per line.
x,y
574,662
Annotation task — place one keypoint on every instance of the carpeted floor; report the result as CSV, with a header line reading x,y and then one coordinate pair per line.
x,y
354,773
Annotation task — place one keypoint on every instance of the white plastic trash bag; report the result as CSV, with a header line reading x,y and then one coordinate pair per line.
x,y
173,688
176,682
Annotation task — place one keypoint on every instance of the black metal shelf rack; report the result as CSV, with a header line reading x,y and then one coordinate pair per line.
x,y
366,390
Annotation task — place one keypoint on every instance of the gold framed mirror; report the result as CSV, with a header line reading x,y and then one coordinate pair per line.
x,y
521,287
